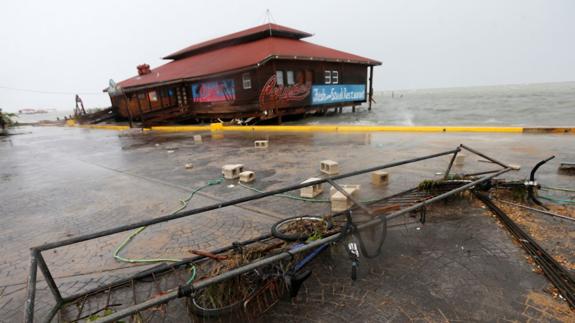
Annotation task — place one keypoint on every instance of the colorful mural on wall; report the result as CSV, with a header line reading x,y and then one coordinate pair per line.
x,y
337,93
275,96
214,91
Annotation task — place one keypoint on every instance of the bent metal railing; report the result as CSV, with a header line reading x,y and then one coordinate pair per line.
x,y
37,260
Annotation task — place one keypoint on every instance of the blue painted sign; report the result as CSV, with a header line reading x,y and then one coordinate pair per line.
x,y
336,93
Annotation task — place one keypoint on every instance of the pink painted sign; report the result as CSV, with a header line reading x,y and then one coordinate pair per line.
x,y
215,91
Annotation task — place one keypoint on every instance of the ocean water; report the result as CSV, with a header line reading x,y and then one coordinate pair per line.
x,y
547,104
37,117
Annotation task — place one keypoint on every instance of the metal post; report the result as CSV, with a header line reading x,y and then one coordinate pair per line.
x,y
484,156
539,211
49,279
31,290
370,87
482,173
451,163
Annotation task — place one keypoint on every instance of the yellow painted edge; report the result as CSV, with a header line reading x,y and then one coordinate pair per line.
x,y
345,128
218,127
336,128
181,128
96,126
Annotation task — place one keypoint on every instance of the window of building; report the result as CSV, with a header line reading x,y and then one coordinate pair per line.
x,y
289,77
246,81
334,77
327,75
153,96
280,78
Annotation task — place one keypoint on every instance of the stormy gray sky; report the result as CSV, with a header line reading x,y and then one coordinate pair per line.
x,y
77,46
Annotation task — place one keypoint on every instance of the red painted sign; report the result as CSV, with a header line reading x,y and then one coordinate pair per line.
x,y
275,96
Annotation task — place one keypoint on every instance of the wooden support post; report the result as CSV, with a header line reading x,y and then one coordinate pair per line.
x,y
140,107
161,96
129,111
370,87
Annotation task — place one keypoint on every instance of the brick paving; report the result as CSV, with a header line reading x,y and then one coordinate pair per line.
x,y
56,183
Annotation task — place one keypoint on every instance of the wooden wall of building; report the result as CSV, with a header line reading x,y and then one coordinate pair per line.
x,y
244,102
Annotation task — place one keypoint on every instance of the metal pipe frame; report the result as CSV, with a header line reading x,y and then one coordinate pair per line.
x,y
49,279
493,160
164,267
451,163
284,255
31,290
36,251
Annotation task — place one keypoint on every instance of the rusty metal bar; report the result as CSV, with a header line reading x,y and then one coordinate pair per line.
x,y
538,211
31,290
484,156
483,173
49,279
451,163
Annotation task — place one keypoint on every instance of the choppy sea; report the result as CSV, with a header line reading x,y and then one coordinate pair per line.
x,y
545,104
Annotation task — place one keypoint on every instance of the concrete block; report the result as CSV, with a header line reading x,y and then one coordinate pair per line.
x,y
232,171
379,177
349,188
261,144
247,176
311,191
459,160
340,202
329,167
197,138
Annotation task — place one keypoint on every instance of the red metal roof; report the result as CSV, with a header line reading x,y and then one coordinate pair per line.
x,y
258,32
242,56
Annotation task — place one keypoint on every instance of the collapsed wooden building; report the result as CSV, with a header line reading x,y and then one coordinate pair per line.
x,y
263,72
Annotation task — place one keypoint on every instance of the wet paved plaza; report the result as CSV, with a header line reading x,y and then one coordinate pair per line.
x,y
57,183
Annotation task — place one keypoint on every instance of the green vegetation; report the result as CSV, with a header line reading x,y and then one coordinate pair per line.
x,y
7,119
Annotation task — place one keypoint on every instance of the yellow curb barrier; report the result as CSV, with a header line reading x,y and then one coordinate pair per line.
x,y
214,127
218,127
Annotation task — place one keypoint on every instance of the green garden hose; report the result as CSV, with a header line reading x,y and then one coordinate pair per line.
x,y
183,204
556,200
549,188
